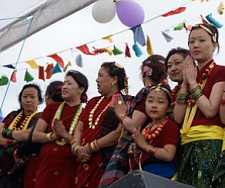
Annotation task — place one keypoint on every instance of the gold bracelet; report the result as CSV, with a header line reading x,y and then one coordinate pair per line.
x,y
73,141
75,149
49,136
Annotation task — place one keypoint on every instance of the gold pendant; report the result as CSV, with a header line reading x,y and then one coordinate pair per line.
x,y
61,142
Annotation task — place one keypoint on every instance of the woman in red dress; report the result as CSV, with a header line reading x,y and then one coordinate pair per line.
x,y
98,129
57,164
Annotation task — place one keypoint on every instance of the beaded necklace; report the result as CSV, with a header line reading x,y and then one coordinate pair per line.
x,y
152,134
91,115
204,76
175,90
73,123
24,124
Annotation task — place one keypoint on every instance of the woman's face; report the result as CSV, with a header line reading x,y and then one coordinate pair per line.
x,y
104,82
70,89
175,68
201,45
29,100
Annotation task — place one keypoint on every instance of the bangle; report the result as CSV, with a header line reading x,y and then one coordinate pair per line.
x,y
96,145
75,149
73,141
123,117
9,141
222,102
152,150
49,136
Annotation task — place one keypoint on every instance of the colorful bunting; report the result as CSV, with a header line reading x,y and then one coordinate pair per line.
x,y
4,80
167,36
9,66
110,52
204,20
176,11
117,51
213,21
58,59
108,38
48,71
84,48
41,74
220,8
68,64
32,64
180,26
187,27
137,50
79,61
138,35
127,51
99,51
13,76
149,46
56,69
28,77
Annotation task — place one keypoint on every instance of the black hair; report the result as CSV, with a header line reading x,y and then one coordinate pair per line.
x,y
54,90
40,98
181,51
81,80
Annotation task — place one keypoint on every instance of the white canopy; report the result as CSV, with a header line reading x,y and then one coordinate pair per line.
x,y
44,12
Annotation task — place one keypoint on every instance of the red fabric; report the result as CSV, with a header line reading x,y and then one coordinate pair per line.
x,y
57,164
127,51
84,48
13,77
91,177
48,71
41,73
58,59
216,75
30,172
169,135
177,11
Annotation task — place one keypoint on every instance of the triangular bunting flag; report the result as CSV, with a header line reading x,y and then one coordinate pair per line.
x,y
84,48
56,69
204,20
108,38
213,21
127,51
187,27
117,51
137,50
79,61
220,8
13,76
68,64
139,35
4,80
99,51
177,11
28,77
32,64
48,71
110,52
149,46
58,59
41,74
9,66
180,26
167,36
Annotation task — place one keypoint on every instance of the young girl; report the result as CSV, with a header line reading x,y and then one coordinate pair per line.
x,y
155,147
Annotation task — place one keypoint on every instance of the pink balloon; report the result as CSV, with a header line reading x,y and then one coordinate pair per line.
x,y
130,13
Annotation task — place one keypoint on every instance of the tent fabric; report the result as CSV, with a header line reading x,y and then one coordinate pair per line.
x,y
44,14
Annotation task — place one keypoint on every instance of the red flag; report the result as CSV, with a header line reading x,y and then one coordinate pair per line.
x,y
58,59
127,51
203,20
99,50
48,71
41,73
84,48
177,11
13,77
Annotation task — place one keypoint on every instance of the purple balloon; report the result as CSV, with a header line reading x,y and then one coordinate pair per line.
x,y
130,13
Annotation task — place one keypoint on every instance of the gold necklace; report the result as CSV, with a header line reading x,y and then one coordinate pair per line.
x,y
91,115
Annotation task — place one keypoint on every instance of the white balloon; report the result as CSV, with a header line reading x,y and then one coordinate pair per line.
x,y
104,11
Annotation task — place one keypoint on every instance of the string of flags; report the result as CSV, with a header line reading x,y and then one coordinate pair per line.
x,y
139,39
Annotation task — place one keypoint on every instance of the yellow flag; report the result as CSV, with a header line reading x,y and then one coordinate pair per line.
x,y
68,64
110,52
32,64
108,38
220,8
149,46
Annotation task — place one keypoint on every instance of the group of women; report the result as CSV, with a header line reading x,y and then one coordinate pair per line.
x,y
175,134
